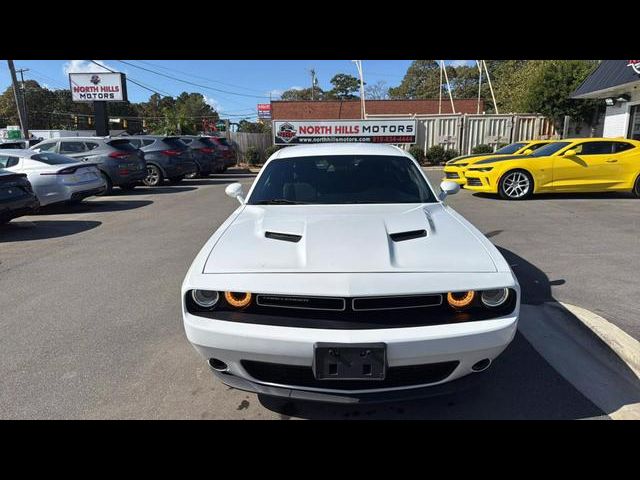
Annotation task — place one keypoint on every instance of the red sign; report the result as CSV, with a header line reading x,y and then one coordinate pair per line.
x,y
264,110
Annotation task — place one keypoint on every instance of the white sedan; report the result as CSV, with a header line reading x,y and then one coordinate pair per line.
x,y
344,277
54,178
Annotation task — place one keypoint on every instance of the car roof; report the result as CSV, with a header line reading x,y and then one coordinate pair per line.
x,y
601,139
18,152
340,149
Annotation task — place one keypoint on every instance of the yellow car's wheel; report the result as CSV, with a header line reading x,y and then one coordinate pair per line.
x,y
516,185
636,187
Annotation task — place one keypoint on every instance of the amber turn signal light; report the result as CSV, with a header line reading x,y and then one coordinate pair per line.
x,y
238,299
460,299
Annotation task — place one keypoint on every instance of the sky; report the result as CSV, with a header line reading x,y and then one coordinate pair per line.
x,y
232,87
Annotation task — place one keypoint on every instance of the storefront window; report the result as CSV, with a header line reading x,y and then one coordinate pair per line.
x,y
634,123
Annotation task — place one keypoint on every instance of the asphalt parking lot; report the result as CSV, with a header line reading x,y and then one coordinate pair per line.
x,y
91,325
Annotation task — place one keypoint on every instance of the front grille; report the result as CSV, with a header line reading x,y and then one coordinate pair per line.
x,y
300,302
451,175
299,376
474,182
394,303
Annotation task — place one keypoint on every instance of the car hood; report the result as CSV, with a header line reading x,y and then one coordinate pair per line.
x,y
350,238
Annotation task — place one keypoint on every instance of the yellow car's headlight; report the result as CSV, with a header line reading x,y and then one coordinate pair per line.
x,y
483,169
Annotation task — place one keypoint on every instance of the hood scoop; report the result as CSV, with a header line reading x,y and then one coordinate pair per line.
x,y
410,235
285,237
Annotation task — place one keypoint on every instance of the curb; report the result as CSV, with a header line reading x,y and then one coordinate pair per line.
x,y
593,355
623,344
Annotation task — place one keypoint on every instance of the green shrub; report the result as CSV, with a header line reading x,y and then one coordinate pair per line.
x,y
450,154
252,156
417,153
482,148
435,155
270,151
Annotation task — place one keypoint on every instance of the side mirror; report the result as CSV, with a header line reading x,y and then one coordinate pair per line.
x,y
234,190
570,153
528,151
448,188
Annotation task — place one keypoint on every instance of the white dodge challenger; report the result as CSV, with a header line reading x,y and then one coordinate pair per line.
x,y
344,277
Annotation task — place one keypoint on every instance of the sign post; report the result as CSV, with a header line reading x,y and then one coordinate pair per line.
x,y
99,89
291,132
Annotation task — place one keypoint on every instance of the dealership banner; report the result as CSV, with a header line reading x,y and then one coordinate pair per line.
x,y
290,132
98,87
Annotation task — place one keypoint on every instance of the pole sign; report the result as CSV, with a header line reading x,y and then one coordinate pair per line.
x,y
264,111
98,87
289,132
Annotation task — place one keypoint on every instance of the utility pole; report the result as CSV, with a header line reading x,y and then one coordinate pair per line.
x,y
313,82
24,99
16,94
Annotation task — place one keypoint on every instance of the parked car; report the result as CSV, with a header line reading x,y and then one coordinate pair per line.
x,y
167,158
340,278
228,152
455,169
568,165
206,154
119,163
53,177
16,196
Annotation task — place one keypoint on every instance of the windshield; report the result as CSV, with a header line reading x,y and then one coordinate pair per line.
x,y
512,148
549,149
341,179
52,158
175,143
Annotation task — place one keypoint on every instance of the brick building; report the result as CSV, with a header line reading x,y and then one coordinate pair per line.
x,y
350,109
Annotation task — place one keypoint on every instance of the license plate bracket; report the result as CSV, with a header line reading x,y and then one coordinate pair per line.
x,y
350,361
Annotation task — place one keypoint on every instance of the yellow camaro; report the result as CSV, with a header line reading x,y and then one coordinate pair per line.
x,y
454,169
570,165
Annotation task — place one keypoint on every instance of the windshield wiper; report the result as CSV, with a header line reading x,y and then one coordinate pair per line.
x,y
279,201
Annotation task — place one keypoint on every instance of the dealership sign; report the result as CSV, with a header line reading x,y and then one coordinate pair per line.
x,y
635,64
264,111
289,132
98,87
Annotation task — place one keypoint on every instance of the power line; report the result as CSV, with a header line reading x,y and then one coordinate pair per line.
x,y
130,79
192,83
197,76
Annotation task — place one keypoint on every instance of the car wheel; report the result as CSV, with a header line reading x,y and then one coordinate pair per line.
x,y
109,186
636,187
516,185
154,176
174,180
127,187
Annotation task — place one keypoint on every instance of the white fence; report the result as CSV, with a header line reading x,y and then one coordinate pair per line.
x,y
464,132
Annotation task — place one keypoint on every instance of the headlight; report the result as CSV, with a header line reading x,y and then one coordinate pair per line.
x,y
461,299
482,169
494,298
205,298
238,299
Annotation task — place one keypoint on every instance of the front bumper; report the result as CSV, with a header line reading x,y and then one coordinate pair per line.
x,y
466,343
455,174
480,182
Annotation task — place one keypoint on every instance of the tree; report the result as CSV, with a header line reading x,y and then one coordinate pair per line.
x,y
344,87
303,94
377,91
422,80
253,127
549,91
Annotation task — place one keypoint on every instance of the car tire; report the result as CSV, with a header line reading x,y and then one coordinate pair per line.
x,y
174,180
108,185
516,185
636,187
127,187
154,176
